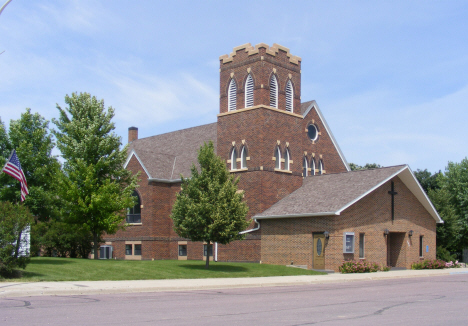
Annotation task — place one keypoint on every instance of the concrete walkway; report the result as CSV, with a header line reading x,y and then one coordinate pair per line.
x,y
23,289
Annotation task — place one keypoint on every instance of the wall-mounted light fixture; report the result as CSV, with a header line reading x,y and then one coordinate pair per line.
x,y
386,232
326,234
410,233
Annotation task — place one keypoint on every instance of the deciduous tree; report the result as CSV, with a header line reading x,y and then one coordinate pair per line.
x,y
208,208
95,187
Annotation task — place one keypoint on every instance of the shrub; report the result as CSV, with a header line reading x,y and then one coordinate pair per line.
x,y
443,254
14,218
361,266
429,264
452,264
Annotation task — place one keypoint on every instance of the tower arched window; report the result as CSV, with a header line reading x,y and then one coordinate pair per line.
x,y
232,95
312,166
287,160
273,91
304,167
244,158
234,159
289,96
249,91
134,213
277,158
321,167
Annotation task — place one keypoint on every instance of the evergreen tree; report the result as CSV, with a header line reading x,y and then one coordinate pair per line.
x,y
96,188
208,208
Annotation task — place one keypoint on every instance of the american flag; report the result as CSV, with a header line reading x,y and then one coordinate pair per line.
x,y
13,168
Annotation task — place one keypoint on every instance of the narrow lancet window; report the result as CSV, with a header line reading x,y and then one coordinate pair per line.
x,y
244,158
287,160
304,167
320,167
232,95
289,96
273,92
233,159
312,166
249,91
277,158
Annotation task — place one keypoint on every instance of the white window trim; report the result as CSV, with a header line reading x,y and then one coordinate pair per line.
x,y
289,97
278,158
287,161
305,167
313,167
320,167
242,156
233,159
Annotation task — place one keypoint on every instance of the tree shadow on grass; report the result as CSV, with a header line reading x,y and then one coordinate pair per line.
x,y
55,261
217,268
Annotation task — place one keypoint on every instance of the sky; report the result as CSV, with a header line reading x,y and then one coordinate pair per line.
x,y
390,77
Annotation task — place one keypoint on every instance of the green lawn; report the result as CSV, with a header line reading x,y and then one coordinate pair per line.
x,y
69,269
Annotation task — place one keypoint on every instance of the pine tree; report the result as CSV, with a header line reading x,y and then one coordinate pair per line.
x,y
209,208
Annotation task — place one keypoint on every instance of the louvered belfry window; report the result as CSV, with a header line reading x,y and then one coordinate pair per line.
x,y
232,95
249,91
273,92
289,96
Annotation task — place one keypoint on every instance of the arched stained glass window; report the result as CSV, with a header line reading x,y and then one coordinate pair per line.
x,y
232,95
134,213
249,91
273,91
312,166
321,167
304,167
289,96
278,158
234,159
244,158
287,159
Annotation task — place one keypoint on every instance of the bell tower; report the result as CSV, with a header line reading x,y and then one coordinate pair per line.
x,y
260,122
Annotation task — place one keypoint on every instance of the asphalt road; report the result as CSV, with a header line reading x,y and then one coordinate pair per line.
x,y
440,300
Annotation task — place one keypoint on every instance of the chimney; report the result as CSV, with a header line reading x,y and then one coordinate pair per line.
x,y
132,134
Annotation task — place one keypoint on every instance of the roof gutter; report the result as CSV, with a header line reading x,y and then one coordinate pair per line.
x,y
164,180
297,215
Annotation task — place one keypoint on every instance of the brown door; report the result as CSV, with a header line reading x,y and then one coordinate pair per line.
x,y
319,251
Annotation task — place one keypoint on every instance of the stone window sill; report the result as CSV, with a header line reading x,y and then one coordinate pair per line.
x,y
283,171
239,170
134,224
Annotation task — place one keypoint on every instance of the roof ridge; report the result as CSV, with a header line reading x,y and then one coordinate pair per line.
x,y
174,131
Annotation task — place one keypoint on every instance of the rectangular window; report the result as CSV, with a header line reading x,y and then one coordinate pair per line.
x,y
137,250
182,250
361,245
348,243
205,246
421,246
128,249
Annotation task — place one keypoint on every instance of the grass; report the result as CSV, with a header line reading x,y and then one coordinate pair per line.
x,y
70,269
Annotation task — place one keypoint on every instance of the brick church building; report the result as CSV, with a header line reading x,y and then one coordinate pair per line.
x,y
306,206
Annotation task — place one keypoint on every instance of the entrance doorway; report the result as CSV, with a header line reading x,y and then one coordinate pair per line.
x,y
396,250
319,251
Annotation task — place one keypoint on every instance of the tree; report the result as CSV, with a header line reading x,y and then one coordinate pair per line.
x,y
355,167
33,142
427,180
208,207
95,186
14,218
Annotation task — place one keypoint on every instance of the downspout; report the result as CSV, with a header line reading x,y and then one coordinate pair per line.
x,y
252,230
216,251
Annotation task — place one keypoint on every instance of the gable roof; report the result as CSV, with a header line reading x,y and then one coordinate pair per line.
x,y
305,109
164,157
331,194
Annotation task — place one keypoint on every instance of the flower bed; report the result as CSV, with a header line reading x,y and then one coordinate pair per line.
x,y
429,264
360,266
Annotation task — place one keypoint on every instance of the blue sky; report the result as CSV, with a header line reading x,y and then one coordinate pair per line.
x,y
391,77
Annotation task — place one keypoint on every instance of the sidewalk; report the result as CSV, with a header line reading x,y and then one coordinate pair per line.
x,y
19,289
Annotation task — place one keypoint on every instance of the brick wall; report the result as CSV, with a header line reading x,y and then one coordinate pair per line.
x,y
290,240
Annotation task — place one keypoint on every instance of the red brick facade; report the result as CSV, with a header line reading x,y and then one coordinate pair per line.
x,y
262,130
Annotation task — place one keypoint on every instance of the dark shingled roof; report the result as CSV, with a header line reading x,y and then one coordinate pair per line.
x,y
304,106
329,193
168,155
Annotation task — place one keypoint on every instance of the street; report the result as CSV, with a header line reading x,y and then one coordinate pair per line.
x,y
439,300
